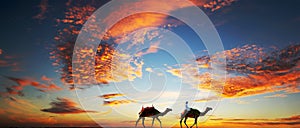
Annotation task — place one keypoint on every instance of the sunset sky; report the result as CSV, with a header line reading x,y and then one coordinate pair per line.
x,y
53,74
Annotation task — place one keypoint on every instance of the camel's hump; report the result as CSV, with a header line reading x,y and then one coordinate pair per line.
x,y
148,111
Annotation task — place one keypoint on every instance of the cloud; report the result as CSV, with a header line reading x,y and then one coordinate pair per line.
x,y
43,9
76,16
217,4
142,20
108,96
152,49
116,102
14,92
19,105
21,83
269,123
149,69
9,61
292,120
45,78
12,99
64,106
175,72
251,70
207,99
276,96
33,120
68,3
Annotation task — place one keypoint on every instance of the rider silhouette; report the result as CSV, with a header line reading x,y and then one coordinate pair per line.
x,y
187,108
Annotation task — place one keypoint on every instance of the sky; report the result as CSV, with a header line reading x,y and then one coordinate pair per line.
x,y
60,66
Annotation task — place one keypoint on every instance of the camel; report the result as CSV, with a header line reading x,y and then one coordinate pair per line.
x,y
193,113
152,113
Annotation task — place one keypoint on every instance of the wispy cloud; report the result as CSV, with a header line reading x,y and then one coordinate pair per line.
x,y
207,99
112,95
152,49
117,102
293,120
64,106
8,61
45,78
21,83
19,105
43,9
276,96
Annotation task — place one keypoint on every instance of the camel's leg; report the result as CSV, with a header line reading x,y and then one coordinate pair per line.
x,y
143,120
159,122
152,122
181,122
195,123
185,122
137,121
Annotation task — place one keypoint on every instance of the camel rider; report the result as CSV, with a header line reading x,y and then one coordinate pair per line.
x,y
187,108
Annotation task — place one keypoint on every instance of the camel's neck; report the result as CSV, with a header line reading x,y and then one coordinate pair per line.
x,y
204,113
163,113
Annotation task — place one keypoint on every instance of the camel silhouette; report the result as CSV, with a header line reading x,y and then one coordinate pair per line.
x,y
193,113
152,113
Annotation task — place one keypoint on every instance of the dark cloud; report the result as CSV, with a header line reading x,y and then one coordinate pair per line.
x,y
64,106
14,92
9,61
13,99
21,83
43,9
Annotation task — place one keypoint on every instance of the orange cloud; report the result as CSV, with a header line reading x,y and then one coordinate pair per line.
x,y
76,16
137,21
108,96
19,105
45,78
152,49
116,102
217,4
64,106
21,83
142,20
251,71
175,72
292,121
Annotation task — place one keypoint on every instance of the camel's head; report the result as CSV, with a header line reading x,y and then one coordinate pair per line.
x,y
168,109
208,108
